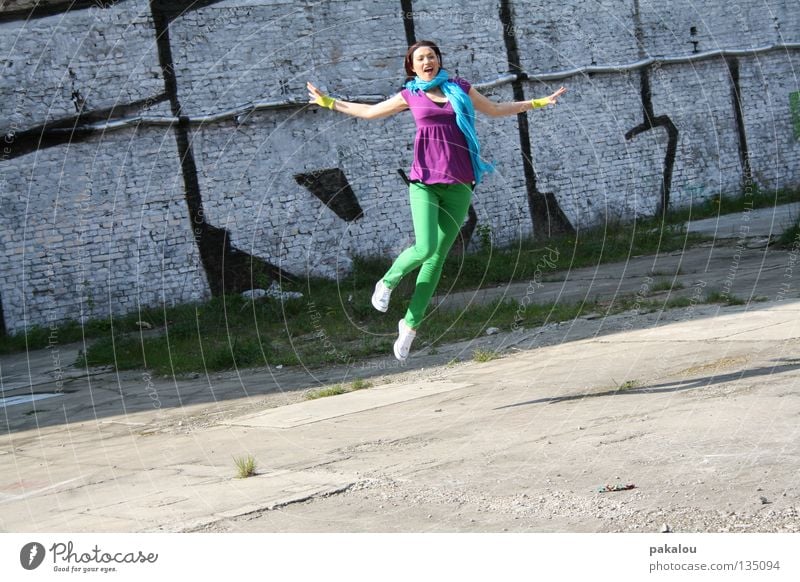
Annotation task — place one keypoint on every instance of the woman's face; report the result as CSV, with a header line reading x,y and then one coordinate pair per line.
x,y
425,63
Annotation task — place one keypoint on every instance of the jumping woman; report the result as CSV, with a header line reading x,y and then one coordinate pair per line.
x,y
447,165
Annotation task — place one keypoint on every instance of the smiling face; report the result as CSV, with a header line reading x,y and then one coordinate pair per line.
x,y
425,63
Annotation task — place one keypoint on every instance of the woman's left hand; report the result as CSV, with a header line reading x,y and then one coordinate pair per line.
x,y
552,99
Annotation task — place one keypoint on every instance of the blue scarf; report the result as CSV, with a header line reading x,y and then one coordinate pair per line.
x,y
465,116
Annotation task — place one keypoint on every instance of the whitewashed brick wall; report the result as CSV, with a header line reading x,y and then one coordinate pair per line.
x,y
101,226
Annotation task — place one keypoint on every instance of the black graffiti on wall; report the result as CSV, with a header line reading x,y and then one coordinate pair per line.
x,y
546,214
12,10
407,11
227,268
77,128
74,129
34,9
652,121
173,9
332,188
732,65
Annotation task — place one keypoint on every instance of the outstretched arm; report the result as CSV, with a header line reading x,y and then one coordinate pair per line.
x,y
489,107
386,108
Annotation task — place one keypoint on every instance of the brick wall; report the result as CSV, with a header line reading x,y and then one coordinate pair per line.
x,y
99,224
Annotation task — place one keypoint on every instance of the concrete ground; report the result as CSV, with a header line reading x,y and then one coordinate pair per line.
x,y
697,408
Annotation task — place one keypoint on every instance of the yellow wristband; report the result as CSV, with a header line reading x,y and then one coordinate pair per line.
x,y
536,103
326,101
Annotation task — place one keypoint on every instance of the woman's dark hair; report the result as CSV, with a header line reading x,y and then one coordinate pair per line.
x,y
410,55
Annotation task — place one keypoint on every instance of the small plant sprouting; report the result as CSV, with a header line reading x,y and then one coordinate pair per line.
x,y
666,285
628,385
360,384
485,355
484,232
325,392
719,297
245,466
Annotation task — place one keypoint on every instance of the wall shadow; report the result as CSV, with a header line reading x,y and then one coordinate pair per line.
x,y
675,386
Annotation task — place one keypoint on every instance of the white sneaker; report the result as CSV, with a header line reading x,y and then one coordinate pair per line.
x,y
380,298
403,344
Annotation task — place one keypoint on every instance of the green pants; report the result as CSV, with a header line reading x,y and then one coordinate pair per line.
x,y
438,210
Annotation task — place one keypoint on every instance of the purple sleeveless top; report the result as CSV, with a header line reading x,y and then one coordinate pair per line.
x,y
441,155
